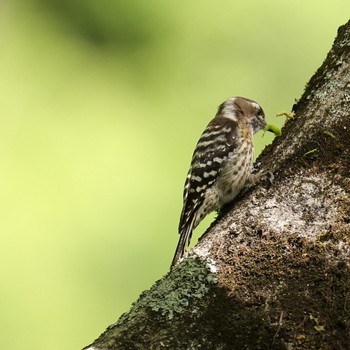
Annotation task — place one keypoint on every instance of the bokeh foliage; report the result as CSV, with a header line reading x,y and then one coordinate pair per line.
x,y
101,104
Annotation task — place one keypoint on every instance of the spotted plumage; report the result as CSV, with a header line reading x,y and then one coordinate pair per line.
x,y
221,164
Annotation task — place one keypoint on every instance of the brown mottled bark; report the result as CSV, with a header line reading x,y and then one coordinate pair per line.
x,y
273,272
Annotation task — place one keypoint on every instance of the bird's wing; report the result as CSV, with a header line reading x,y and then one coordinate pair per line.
x,y
213,148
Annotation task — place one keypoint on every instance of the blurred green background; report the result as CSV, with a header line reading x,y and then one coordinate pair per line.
x,y
101,104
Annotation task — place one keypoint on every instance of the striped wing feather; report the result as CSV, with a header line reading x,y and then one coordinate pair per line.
x,y
213,148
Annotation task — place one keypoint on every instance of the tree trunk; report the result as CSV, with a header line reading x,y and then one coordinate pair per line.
x,y
273,271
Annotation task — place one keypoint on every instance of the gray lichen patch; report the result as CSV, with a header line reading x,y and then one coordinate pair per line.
x,y
189,281
303,205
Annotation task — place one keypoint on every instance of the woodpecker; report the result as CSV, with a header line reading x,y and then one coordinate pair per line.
x,y
221,164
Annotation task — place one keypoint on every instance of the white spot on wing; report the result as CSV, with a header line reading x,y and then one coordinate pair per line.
x,y
200,188
216,160
197,178
211,173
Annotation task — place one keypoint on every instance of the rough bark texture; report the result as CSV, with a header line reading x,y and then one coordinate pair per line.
x,y
273,272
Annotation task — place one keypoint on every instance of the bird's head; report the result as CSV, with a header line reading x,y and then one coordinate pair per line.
x,y
244,111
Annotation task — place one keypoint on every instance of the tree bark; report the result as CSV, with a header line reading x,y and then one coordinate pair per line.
x,y
273,271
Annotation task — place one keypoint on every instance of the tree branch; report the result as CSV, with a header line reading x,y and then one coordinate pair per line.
x,y
273,271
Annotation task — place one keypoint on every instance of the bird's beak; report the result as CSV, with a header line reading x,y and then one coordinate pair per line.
x,y
262,122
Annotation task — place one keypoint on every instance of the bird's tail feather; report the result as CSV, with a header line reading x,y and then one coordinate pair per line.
x,y
185,236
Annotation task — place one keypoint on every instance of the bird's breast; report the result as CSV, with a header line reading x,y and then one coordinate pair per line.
x,y
236,171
